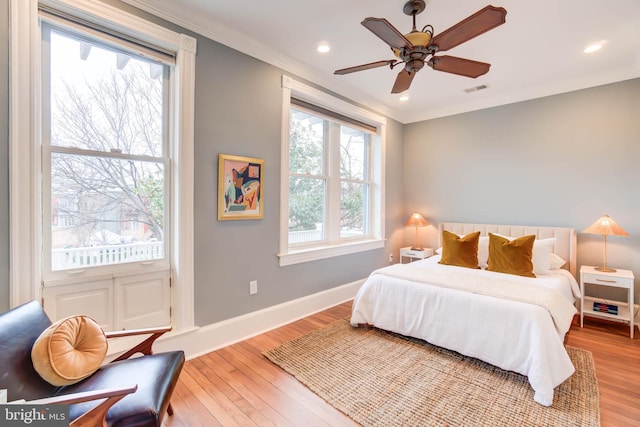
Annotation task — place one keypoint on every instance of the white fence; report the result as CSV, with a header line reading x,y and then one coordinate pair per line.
x,y
296,237
64,259
301,237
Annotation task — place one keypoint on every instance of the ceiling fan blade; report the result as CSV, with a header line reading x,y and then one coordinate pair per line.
x,y
460,66
476,24
403,81
387,32
365,66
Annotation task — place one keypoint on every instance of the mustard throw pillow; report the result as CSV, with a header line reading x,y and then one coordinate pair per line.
x,y
511,256
460,251
69,350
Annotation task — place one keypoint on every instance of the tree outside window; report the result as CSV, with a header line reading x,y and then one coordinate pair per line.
x,y
107,156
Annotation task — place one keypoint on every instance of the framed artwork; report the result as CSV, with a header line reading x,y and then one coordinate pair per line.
x,y
240,185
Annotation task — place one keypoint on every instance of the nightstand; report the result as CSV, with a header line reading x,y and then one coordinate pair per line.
x,y
413,254
617,279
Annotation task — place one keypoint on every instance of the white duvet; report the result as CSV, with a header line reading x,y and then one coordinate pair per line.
x,y
499,328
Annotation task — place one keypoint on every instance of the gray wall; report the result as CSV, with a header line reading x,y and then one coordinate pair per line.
x,y
4,155
563,160
238,111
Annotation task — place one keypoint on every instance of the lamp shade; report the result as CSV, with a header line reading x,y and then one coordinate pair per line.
x,y
605,226
417,220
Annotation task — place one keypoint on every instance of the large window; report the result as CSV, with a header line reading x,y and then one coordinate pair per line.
x,y
334,177
105,150
101,164
329,186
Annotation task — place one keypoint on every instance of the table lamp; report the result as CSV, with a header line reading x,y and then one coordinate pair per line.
x,y
418,221
605,226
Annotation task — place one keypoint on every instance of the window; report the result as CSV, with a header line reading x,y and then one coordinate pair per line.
x,y
333,182
46,203
105,153
318,196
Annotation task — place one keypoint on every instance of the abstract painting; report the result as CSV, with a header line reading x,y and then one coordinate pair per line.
x,y
240,185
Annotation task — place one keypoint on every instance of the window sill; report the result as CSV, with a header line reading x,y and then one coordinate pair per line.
x,y
317,253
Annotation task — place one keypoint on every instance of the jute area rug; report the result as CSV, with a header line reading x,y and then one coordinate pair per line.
x,y
383,379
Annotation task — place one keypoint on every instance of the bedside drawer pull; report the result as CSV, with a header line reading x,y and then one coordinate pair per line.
x,y
605,280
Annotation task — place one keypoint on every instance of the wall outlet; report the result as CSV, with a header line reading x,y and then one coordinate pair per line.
x,y
253,287
391,258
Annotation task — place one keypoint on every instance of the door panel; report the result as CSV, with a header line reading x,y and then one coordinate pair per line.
x,y
144,300
93,299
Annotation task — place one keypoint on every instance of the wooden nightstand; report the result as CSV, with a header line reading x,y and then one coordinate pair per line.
x,y
617,279
414,254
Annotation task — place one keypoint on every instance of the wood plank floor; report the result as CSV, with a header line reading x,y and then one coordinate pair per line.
x,y
237,386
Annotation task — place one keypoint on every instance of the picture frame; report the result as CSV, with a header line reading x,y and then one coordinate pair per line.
x,y
240,187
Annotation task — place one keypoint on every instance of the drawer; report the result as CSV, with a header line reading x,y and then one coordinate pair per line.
x,y
414,254
599,279
425,253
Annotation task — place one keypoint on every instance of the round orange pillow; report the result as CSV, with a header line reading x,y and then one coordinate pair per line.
x,y
69,350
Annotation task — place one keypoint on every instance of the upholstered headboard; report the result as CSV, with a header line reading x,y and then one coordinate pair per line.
x,y
565,246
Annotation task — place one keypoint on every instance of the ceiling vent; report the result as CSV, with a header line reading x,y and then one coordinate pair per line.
x,y
476,88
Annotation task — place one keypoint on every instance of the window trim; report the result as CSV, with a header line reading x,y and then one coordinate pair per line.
x,y
288,256
24,145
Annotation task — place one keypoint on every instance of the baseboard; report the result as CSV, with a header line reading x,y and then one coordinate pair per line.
x,y
202,340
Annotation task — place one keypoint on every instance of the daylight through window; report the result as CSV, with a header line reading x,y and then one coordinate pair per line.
x,y
334,179
105,148
329,179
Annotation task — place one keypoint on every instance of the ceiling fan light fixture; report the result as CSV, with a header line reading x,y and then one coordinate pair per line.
x,y
404,97
417,39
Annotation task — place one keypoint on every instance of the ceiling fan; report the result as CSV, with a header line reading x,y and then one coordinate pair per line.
x,y
418,48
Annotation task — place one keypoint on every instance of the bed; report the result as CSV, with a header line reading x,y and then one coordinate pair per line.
x,y
512,322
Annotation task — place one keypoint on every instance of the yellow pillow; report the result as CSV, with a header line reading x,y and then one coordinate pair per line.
x,y
511,256
460,251
69,351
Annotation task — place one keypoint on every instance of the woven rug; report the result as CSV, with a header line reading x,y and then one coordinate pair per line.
x,y
383,379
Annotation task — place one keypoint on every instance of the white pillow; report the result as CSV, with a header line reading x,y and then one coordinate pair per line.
x,y
556,262
483,252
541,257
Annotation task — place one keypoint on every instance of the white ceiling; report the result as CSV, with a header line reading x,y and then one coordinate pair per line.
x,y
537,52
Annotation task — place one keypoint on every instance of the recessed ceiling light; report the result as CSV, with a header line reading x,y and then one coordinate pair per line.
x,y
323,47
404,98
593,48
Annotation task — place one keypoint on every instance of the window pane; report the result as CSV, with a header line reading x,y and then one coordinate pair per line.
x,y
353,209
105,211
353,153
306,210
306,143
104,100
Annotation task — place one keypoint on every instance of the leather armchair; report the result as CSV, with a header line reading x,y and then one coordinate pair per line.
x,y
137,390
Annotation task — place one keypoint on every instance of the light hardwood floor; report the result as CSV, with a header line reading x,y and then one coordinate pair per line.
x,y
237,386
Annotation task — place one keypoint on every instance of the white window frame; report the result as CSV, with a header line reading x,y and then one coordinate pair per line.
x,y
26,225
290,256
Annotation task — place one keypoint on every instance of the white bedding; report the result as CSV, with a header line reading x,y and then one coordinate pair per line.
x,y
513,335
